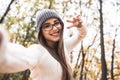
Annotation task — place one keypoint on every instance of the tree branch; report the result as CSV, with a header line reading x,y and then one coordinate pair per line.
x,y
6,12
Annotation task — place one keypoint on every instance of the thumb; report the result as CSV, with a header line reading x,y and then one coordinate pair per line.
x,y
70,26
4,39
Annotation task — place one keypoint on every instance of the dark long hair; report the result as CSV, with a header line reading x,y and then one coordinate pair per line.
x,y
58,54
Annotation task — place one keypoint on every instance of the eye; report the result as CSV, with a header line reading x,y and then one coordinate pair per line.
x,y
46,26
56,23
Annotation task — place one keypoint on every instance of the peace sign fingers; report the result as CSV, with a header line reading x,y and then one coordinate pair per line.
x,y
75,22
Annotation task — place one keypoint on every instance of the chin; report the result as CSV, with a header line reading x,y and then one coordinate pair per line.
x,y
55,40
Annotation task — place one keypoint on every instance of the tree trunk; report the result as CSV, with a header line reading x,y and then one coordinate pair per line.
x,y
83,62
5,77
112,62
103,61
26,74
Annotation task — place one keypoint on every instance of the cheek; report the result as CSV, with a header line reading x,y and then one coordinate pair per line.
x,y
45,34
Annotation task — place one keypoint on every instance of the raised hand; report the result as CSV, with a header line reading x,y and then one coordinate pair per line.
x,y
75,22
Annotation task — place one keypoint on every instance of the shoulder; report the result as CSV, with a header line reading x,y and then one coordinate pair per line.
x,y
36,49
35,53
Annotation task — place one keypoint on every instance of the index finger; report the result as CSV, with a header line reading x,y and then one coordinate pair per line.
x,y
69,21
78,16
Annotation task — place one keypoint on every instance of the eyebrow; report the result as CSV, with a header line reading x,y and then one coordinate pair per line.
x,y
49,23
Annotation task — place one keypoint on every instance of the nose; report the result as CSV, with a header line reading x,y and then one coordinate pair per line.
x,y
55,28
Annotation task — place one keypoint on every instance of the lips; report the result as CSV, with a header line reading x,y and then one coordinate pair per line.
x,y
55,34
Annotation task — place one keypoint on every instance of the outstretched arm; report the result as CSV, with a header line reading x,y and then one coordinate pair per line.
x,y
13,59
78,35
12,56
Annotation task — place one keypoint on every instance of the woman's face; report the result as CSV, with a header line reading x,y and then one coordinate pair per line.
x,y
51,29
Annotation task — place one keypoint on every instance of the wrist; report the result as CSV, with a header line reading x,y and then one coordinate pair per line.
x,y
79,25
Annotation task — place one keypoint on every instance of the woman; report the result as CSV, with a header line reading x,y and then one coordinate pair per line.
x,y
47,60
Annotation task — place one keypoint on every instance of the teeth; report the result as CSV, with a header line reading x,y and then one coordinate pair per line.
x,y
55,34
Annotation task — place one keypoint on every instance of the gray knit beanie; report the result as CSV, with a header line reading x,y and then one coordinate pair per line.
x,y
43,15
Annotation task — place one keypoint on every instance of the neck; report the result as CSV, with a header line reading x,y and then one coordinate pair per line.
x,y
52,44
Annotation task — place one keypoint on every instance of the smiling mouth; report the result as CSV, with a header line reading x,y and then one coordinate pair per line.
x,y
55,34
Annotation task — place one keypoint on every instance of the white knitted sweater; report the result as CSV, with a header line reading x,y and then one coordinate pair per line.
x,y
15,58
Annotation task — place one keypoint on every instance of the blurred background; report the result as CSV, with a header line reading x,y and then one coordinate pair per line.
x,y
97,57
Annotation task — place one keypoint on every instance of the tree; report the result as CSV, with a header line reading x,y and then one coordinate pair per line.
x,y
103,61
7,10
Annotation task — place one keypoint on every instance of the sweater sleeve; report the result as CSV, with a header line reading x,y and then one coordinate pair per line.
x,y
13,57
78,36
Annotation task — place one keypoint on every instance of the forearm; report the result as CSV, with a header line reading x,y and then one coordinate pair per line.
x,y
76,38
12,56
14,59
83,32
